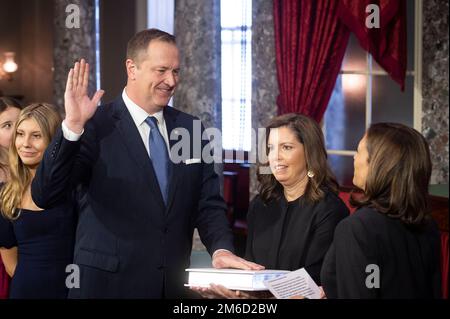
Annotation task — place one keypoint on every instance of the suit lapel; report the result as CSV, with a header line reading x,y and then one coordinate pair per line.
x,y
133,142
175,171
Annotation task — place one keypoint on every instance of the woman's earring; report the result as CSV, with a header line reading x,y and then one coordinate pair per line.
x,y
310,174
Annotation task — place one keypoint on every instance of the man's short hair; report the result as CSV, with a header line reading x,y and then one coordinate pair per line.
x,y
138,44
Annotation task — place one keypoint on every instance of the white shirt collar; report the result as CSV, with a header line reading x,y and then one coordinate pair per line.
x,y
137,113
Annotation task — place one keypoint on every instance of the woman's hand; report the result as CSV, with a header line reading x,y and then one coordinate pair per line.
x,y
78,106
220,292
322,295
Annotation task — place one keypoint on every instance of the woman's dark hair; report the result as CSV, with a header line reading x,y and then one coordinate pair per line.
x,y
310,135
6,102
399,173
9,101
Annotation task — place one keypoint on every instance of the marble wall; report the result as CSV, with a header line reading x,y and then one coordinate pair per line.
x,y
264,76
435,85
197,28
72,44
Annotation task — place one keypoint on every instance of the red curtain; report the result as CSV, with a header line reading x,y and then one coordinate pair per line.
x,y
387,44
310,43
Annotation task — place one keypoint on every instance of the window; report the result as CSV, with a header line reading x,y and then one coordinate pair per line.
x,y
161,15
236,68
364,93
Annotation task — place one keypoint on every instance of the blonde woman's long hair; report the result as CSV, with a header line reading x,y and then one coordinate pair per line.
x,y
48,119
3,164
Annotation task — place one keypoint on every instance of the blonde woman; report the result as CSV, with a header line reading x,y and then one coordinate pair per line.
x,y
9,113
44,238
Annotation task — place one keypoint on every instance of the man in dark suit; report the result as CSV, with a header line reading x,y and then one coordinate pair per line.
x,y
139,206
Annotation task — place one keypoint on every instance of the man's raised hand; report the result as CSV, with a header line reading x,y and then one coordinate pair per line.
x,y
79,107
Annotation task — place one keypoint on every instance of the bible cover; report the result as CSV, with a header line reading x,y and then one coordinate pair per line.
x,y
236,279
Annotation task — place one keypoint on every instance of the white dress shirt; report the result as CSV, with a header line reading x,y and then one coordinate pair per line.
x,y
139,115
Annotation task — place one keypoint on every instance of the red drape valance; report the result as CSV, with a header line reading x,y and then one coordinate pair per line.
x,y
387,44
310,41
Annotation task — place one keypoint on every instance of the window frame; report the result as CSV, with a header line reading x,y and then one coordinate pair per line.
x,y
239,147
369,73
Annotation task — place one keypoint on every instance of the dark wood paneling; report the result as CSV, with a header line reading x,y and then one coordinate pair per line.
x,y
118,25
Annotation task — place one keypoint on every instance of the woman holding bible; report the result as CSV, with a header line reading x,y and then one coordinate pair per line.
x,y
291,222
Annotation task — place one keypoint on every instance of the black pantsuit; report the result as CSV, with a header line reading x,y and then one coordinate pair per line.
x,y
407,258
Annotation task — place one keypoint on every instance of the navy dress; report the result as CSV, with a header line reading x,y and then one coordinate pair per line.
x,y
45,241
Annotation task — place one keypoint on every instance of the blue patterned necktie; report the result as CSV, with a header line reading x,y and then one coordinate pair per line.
x,y
159,156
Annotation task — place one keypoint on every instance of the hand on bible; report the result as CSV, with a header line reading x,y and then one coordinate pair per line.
x,y
226,259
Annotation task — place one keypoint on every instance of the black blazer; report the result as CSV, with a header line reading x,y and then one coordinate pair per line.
x,y
293,235
128,244
407,259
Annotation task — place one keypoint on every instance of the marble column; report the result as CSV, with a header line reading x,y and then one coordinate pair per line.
x,y
264,77
72,44
197,28
435,85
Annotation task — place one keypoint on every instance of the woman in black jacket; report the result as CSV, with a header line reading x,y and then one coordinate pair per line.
x,y
292,221
388,248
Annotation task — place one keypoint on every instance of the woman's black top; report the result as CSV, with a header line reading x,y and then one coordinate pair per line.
x,y
292,235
